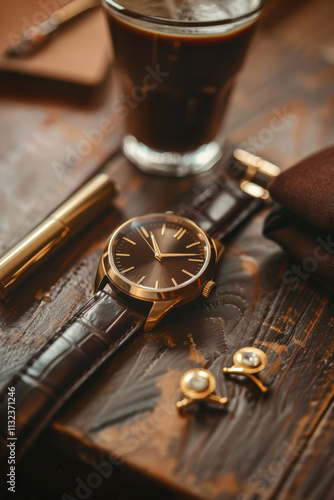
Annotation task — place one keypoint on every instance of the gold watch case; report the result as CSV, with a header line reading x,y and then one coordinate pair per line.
x,y
163,300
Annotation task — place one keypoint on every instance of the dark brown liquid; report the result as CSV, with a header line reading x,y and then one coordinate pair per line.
x,y
184,110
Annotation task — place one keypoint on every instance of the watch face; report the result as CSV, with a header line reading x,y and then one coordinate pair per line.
x,y
160,252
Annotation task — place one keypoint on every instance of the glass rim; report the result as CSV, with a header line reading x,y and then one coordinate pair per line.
x,y
176,23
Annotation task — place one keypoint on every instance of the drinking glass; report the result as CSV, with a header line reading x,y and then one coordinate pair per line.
x,y
178,61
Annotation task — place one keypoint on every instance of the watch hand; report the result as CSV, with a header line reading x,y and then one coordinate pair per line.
x,y
179,255
156,256
155,245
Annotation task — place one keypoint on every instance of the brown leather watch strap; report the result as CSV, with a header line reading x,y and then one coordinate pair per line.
x,y
221,207
94,333
65,361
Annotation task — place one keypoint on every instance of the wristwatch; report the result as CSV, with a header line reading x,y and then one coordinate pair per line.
x,y
150,265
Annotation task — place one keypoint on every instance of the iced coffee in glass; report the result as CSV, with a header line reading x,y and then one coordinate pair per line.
x,y
178,61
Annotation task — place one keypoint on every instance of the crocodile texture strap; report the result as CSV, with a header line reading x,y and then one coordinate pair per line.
x,y
221,207
62,365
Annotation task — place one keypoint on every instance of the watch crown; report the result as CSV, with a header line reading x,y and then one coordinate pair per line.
x,y
209,289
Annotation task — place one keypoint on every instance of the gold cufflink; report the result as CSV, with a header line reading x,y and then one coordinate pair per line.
x,y
247,361
198,385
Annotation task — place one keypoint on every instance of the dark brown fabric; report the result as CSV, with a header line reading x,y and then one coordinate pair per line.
x,y
303,223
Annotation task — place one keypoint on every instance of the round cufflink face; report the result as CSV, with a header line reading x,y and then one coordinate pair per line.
x,y
251,359
197,383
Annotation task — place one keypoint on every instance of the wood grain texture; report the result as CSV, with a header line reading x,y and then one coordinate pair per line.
x,y
277,446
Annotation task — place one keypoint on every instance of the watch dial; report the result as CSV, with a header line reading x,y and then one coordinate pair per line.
x,y
159,251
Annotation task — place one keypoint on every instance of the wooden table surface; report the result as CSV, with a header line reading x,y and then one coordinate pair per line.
x,y
275,447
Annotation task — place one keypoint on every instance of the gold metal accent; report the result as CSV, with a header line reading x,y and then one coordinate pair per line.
x,y
126,270
187,272
163,229
174,282
209,289
198,385
193,244
177,254
156,247
122,255
141,279
242,368
157,284
158,312
149,244
129,241
195,260
219,248
178,235
145,232
163,301
255,190
80,209
256,165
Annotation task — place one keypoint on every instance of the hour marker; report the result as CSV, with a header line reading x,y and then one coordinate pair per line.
x,y
193,244
163,229
157,284
144,231
129,241
178,235
196,260
174,282
187,272
122,255
141,279
126,270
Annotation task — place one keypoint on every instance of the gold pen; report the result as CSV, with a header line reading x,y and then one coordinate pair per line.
x,y
22,260
34,38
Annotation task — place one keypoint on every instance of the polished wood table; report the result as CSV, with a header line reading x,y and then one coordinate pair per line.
x,y
278,446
